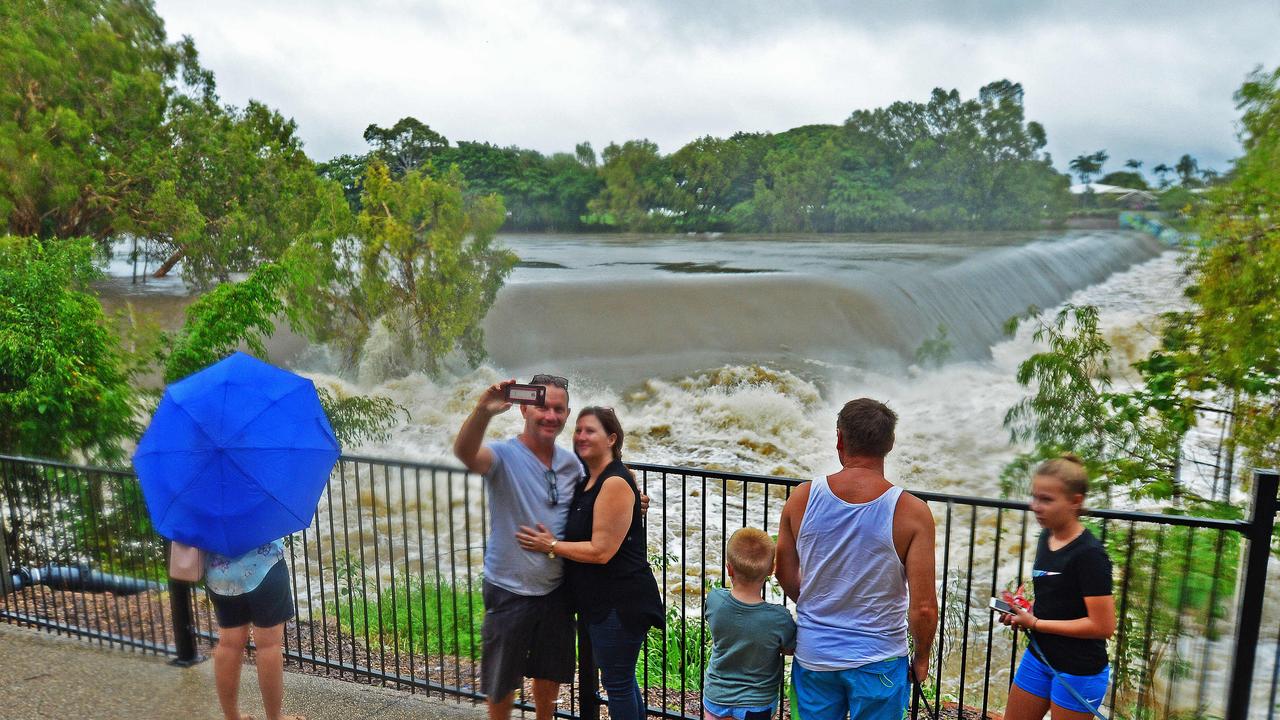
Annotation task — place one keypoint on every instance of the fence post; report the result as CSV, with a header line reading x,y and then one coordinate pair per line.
x,y
588,677
184,627
6,577
1266,484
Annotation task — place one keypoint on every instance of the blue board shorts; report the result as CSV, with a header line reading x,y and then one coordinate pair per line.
x,y
876,690
1036,678
737,712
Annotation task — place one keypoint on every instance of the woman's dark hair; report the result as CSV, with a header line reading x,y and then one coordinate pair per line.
x,y
609,421
1069,468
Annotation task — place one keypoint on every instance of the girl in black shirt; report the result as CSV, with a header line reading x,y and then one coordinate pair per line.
x,y
1074,612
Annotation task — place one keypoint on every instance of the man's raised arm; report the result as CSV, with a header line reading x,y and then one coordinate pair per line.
x,y
469,447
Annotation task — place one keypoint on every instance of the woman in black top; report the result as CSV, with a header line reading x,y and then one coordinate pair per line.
x,y
1074,612
606,568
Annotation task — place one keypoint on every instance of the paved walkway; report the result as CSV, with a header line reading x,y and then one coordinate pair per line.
x,y
48,676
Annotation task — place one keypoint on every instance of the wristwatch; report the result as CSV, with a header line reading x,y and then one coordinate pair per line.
x,y
551,550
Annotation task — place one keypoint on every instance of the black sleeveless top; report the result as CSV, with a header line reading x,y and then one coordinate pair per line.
x,y
626,582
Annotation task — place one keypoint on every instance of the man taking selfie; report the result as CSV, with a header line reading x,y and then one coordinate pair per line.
x,y
528,627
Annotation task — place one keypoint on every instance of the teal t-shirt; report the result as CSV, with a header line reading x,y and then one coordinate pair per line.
x,y
747,641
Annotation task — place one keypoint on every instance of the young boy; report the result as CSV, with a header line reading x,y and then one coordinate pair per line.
x,y
748,635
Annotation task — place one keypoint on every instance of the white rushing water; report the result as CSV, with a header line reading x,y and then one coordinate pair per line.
x,y
771,419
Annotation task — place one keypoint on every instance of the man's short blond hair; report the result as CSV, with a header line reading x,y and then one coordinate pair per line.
x,y
750,553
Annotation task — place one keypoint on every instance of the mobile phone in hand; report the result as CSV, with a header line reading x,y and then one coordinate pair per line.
x,y
1000,606
526,394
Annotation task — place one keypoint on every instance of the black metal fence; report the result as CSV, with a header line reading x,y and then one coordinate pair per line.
x,y
387,583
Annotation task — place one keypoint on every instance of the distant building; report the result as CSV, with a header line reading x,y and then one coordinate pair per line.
x,y
1117,196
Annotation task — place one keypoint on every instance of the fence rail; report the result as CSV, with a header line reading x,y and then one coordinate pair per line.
x,y
387,583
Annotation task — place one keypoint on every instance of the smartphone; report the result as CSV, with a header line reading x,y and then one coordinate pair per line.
x,y
526,394
1000,606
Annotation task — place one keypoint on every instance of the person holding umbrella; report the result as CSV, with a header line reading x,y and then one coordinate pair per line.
x,y
234,461
252,589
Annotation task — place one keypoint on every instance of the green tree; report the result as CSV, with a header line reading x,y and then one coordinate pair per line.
x,y
245,314
65,382
1162,172
639,192
405,146
1187,168
1086,166
1130,441
422,260
1125,178
347,171
1230,341
237,190
84,90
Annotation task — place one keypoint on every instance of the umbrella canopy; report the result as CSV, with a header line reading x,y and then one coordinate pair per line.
x,y
236,456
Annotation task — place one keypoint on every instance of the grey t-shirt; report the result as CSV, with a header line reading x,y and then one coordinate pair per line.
x,y
745,669
518,491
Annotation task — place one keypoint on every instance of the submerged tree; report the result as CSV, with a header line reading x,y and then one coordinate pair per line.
x,y
421,260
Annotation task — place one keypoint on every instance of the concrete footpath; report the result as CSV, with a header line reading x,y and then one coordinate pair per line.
x,y
60,678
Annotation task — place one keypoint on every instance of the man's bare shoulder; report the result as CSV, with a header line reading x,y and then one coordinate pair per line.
x,y
914,512
799,495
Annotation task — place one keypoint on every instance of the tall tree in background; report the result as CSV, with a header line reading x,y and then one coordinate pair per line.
x,y
1086,166
1162,172
639,192
405,146
1230,340
237,190
1187,168
84,92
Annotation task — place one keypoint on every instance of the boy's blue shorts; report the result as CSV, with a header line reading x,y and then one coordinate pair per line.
x,y
878,690
738,712
1036,678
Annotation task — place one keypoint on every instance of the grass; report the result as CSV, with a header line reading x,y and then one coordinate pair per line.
x,y
429,617
439,618
673,657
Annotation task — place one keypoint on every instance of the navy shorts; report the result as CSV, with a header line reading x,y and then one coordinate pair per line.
x,y
267,605
525,636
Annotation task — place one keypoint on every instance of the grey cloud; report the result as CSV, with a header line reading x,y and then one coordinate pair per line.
x,y
1150,81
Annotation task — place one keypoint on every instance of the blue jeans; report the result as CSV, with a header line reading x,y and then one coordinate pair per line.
x,y
616,649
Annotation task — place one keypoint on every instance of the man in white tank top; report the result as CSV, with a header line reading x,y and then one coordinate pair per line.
x,y
856,554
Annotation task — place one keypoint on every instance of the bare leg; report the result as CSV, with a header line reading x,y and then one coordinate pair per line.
x,y
1057,712
1025,706
501,709
226,669
545,693
270,663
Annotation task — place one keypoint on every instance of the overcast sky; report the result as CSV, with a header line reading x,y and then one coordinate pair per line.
x,y
1146,80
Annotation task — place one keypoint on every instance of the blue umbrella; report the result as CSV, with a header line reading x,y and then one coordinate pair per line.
x,y
236,456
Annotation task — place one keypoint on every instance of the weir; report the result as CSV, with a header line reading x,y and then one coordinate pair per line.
x,y
867,308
